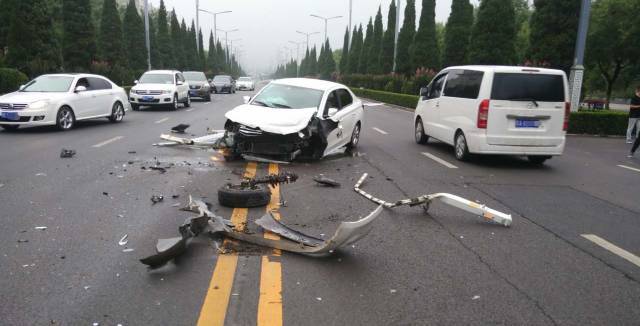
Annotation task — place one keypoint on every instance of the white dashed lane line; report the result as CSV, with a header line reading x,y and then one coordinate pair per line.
x,y
108,141
613,248
629,168
380,131
189,110
162,120
439,160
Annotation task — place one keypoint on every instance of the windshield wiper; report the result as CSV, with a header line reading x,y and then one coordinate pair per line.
x,y
524,99
281,105
261,104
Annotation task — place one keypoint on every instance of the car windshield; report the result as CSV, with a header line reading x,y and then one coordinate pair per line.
x,y
195,76
156,79
222,79
528,87
288,97
244,79
56,84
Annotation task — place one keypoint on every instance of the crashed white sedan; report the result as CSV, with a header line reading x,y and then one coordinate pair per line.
x,y
294,118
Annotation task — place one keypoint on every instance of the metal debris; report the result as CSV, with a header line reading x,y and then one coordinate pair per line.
x,y
449,199
127,250
67,153
179,129
40,228
124,240
321,179
157,198
271,179
158,168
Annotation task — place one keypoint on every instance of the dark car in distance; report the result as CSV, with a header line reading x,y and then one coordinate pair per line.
x,y
198,84
223,84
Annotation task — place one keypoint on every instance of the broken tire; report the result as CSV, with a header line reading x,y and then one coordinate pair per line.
x,y
236,196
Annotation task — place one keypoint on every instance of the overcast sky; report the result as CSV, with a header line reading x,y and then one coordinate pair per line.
x,y
268,25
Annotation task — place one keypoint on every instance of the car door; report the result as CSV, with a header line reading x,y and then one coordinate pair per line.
x,y
348,113
103,96
83,103
430,107
340,124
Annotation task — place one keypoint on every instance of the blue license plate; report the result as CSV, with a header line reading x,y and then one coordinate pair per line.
x,y
147,98
10,116
193,92
527,123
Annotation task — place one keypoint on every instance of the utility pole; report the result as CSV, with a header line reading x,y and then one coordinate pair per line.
x,y
197,24
326,19
307,35
395,42
350,13
146,33
577,71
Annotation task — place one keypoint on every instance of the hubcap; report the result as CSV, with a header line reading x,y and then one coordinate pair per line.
x,y
356,135
460,146
175,102
66,120
419,131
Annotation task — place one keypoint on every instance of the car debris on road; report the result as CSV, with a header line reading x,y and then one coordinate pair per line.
x,y
67,153
251,192
449,199
179,129
321,179
156,199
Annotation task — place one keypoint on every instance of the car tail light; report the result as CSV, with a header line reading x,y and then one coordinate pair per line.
x,y
483,114
567,113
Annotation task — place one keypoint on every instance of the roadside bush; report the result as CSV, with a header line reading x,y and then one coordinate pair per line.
x,y
11,79
407,101
390,82
598,122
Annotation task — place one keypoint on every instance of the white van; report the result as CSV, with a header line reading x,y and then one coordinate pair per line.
x,y
496,110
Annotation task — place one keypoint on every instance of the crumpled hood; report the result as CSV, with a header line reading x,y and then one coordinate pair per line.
x,y
273,120
154,87
30,97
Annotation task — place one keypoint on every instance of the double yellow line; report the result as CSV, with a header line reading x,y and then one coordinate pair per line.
x,y
216,302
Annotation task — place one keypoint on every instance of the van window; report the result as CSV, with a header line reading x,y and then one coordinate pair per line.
x,y
436,86
528,87
463,84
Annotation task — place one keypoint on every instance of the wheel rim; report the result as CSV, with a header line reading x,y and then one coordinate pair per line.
x,y
188,100
419,131
356,135
119,112
461,146
175,102
66,119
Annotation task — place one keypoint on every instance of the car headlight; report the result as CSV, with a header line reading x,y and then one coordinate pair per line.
x,y
166,92
38,104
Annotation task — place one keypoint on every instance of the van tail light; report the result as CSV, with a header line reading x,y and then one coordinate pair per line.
x,y
483,114
567,113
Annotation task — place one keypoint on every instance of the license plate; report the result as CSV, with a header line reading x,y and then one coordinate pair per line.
x,y
193,92
527,123
10,116
147,98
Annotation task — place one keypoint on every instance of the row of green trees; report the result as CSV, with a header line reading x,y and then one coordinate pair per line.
x,y
44,36
323,66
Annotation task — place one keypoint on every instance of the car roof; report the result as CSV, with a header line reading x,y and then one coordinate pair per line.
x,y
318,84
508,69
74,75
162,72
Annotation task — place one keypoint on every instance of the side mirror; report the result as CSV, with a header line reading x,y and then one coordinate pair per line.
x,y
332,112
80,89
135,82
246,99
179,83
424,91
22,87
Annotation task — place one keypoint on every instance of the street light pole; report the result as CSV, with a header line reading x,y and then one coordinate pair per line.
x,y
577,71
197,24
395,41
307,35
146,33
326,19
215,26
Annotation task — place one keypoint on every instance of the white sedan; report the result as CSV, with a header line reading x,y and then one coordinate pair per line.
x,y
61,100
295,117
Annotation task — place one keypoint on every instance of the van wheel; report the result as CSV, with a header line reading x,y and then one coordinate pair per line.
x,y
537,160
461,148
421,137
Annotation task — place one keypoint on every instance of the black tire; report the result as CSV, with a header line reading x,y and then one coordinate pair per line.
x,y
65,119
135,107
461,148
10,127
537,160
187,103
174,105
208,98
234,91
355,137
234,196
420,136
117,113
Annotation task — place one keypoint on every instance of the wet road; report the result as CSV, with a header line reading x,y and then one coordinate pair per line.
x,y
570,257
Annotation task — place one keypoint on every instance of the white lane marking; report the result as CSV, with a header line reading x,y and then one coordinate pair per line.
x,y
372,104
613,248
439,160
189,110
380,131
162,120
628,168
108,141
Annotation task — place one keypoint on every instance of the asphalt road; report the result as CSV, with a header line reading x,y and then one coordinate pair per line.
x,y
446,267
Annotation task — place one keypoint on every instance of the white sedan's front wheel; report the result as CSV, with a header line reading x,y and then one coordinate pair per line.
x,y
65,119
355,137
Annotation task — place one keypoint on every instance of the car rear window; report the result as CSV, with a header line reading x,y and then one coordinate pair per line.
x,y
463,84
528,87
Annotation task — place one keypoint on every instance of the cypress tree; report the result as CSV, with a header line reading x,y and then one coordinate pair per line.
x,y
134,39
385,60
304,65
220,61
110,42
202,56
366,49
211,55
405,39
165,53
457,33
6,10
313,61
494,33
176,41
328,64
554,25
376,45
78,42
344,61
356,50
153,40
191,47
425,52
33,47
